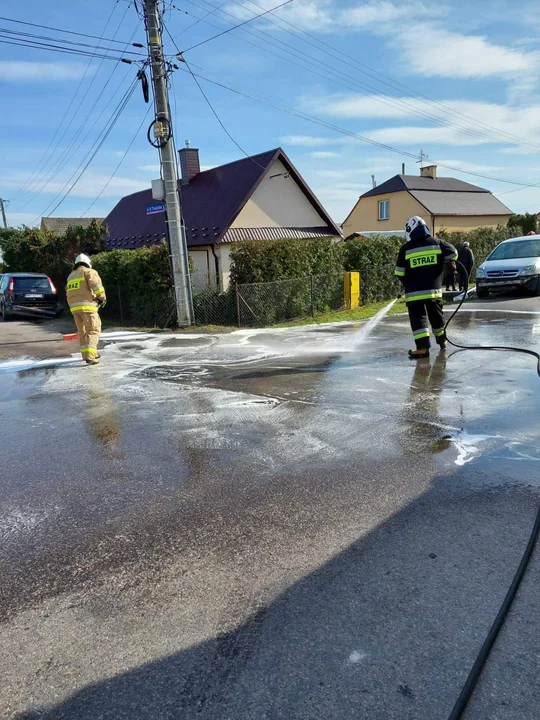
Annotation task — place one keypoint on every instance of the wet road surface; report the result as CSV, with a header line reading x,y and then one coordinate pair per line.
x,y
271,524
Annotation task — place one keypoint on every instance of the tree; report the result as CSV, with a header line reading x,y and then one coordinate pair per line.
x,y
526,221
34,250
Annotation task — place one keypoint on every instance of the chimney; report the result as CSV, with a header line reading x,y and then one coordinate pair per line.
x,y
373,183
403,168
429,171
189,163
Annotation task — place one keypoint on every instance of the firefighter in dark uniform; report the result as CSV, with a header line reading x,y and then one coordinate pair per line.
x,y
420,267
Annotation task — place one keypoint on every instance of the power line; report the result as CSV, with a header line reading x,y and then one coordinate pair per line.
x,y
214,112
210,12
91,154
336,128
235,27
22,37
63,30
381,97
352,62
71,150
64,51
42,160
120,163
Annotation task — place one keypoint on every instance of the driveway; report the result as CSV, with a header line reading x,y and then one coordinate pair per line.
x,y
271,524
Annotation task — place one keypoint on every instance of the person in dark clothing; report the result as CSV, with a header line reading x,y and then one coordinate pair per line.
x,y
450,276
466,258
420,266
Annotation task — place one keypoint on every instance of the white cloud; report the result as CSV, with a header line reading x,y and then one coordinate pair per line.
x,y
150,168
472,122
306,14
324,154
26,71
90,185
436,52
339,198
308,140
377,13
471,167
418,136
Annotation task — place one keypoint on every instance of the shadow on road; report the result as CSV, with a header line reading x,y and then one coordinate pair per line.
x,y
387,629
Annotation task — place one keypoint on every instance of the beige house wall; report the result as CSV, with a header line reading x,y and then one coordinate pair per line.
x,y
365,214
204,267
278,202
223,252
467,222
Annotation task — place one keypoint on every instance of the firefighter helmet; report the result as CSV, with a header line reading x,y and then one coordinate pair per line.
x,y
413,224
83,259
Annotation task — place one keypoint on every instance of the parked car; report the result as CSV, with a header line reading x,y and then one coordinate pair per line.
x,y
27,294
515,263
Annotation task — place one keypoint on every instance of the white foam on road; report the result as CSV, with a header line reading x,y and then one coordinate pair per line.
x,y
13,366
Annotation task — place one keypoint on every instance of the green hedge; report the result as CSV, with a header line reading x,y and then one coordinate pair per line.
x,y
258,261
481,240
33,250
274,278
138,285
375,259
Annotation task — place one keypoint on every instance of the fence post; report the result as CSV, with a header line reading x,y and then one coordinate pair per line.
x,y
312,298
237,305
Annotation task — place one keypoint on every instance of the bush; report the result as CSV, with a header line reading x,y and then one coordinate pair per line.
x,y
375,259
33,250
524,223
258,261
138,285
481,240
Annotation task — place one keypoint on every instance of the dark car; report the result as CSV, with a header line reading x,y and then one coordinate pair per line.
x,y
27,294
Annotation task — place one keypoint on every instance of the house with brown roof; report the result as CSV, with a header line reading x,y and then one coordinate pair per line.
x,y
445,204
61,225
262,197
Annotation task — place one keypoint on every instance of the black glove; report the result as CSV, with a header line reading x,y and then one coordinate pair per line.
x,y
101,303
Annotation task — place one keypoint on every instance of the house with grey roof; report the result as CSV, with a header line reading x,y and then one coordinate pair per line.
x,y
61,225
445,204
262,197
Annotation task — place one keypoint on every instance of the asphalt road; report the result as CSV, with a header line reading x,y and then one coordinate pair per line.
x,y
270,524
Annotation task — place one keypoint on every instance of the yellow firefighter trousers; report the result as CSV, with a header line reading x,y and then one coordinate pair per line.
x,y
89,328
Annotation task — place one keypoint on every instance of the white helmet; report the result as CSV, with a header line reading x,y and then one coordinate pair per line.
x,y
83,259
413,223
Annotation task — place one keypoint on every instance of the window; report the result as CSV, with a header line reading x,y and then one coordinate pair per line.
x,y
384,209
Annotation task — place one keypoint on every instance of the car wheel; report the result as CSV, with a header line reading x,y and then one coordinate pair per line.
x,y
482,292
536,288
4,317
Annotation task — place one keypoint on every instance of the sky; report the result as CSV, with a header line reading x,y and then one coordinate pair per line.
x,y
347,89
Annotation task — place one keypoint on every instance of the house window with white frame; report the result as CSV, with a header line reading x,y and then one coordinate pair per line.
x,y
384,209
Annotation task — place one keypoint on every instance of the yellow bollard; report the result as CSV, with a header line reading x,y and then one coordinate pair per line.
x,y
351,284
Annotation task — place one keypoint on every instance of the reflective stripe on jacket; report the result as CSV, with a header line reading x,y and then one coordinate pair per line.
x,y
420,266
83,287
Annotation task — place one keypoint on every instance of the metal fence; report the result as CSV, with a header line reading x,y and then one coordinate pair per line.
x,y
248,305
261,304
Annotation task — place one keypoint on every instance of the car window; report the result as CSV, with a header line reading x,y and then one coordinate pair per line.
x,y
514,250
31,283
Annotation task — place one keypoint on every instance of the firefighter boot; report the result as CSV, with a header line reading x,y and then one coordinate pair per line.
x,y
419,354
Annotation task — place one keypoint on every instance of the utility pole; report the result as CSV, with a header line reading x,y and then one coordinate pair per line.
x,y
3,210
163,133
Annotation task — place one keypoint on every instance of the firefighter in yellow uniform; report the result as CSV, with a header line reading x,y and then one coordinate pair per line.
x,y
85,295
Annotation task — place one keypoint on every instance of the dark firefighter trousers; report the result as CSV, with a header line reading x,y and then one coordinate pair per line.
x,y
419,312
